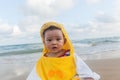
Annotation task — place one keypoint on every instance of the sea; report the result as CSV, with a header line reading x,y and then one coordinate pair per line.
x,y
28,53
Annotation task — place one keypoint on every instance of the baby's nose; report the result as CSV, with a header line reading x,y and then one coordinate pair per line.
x,y
54,42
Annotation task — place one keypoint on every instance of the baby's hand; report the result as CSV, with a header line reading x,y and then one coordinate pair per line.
x,y
88,78
76,77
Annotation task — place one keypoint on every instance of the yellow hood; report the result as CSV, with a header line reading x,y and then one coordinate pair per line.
x,y
62,68
67,46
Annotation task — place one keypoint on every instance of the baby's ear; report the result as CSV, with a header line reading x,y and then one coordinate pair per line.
x,y
43,41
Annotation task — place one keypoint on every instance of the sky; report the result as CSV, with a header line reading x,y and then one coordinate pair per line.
x,y
20,20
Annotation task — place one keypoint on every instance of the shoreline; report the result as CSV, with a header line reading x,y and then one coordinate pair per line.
x,y
102,55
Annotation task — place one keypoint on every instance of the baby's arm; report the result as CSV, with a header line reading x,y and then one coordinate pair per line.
x,y
84,71
88,78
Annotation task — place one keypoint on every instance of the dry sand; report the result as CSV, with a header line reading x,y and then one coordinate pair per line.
x,y
108,69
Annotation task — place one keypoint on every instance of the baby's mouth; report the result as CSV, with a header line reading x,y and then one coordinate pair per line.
x,y
54,48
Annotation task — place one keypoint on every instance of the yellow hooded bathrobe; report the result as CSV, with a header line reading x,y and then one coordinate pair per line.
x,y
56,68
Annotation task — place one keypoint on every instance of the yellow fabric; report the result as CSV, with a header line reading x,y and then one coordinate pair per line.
x,y
62,68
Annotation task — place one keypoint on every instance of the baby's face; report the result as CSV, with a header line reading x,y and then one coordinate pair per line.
x,y
54,40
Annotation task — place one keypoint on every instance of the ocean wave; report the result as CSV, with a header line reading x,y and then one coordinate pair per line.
x,y
97,41
18,52
81,46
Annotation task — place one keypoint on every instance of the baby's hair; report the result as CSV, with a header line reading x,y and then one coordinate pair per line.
x,y
51,28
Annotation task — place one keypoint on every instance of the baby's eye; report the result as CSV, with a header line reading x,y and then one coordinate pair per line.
x,y
58,39
49,40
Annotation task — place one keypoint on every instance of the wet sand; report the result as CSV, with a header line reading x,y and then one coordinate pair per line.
x,y
14,71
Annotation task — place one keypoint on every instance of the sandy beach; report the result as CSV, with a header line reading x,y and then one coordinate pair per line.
x,y
108,68
106,64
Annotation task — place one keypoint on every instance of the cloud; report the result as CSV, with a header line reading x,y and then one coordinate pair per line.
x,y
104,25
117,9
104,18
5,29
16,31
17,36
12,34
47,8
30,24
93,1
36,13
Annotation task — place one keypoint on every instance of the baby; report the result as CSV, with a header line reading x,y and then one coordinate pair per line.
x,y
58,60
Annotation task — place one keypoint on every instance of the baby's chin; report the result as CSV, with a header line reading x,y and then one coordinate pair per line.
x,y
55,51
